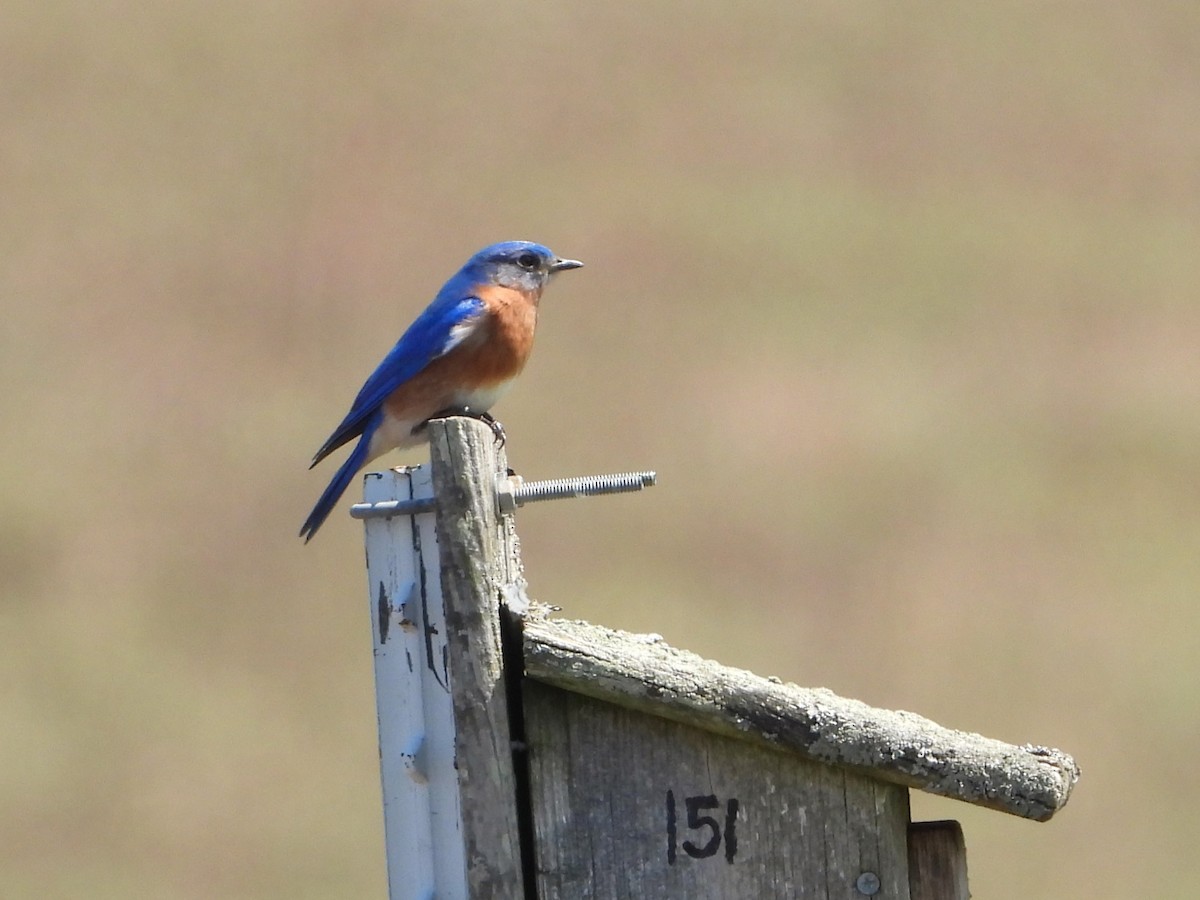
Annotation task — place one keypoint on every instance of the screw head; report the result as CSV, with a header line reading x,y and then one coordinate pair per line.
x,y
867,884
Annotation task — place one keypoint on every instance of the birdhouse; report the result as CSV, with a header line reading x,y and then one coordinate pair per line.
x,y
530,756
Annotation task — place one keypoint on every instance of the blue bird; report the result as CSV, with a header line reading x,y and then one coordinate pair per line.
x,y
459,356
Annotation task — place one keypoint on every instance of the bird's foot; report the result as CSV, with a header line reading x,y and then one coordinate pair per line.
x,y
497,428
485,417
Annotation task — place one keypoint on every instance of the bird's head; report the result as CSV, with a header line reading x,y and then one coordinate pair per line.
x,y
522,265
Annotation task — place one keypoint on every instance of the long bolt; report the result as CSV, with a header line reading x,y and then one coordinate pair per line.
x,y
385,509
512,492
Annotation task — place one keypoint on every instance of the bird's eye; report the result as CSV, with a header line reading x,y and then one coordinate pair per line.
x,y
528,261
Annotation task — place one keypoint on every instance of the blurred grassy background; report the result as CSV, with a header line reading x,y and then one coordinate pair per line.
x,y
899,300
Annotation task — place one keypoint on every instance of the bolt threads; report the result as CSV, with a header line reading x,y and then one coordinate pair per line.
x,y
583,486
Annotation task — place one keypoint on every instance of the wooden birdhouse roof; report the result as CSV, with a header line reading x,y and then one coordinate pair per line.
x,y
644,673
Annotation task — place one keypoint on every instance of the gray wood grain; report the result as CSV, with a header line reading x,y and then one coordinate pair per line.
x,y
475,563
937,861
603,815
645,674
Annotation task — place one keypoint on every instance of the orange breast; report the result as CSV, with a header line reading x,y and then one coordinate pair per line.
x,y
501,347
494,354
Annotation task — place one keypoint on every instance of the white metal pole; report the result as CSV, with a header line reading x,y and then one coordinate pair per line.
x,y
421,803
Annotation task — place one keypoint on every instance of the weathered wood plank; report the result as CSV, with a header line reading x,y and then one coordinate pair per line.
x,y
937,861
646,674
629,806
474,563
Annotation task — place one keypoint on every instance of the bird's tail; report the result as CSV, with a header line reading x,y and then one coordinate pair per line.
x,y
337,487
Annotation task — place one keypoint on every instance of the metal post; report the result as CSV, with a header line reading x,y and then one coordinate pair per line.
x,y
421,800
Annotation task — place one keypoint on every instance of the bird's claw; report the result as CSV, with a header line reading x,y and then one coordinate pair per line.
x,y
485,417
497,428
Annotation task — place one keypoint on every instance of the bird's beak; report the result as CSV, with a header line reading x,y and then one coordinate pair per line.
x,y
560,264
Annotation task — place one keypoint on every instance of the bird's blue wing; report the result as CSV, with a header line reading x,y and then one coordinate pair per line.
x,y
341,481
438,330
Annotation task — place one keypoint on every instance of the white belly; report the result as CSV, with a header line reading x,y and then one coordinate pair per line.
x,y
398,434
480,400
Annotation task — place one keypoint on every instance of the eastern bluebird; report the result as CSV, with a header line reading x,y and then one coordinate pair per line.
x,y
458,357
